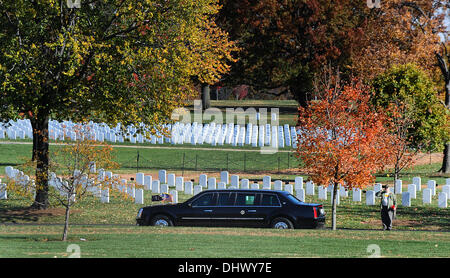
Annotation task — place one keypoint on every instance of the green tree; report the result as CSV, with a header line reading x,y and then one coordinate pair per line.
x,y
126,61
411,87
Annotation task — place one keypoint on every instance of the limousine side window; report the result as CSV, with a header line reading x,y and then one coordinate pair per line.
x,y
244,199
270,200
226,199
204,201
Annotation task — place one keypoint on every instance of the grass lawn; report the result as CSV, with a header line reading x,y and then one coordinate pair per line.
x,y
155,242
169,157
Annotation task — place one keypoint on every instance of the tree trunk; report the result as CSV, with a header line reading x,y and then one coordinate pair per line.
x,y
66,223
40,136
443,66
396,171
206,97
446,161
334,207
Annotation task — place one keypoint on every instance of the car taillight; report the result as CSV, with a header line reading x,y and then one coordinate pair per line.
x,y
315,212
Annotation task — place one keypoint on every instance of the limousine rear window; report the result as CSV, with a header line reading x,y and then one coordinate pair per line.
x,y
294,200
269,200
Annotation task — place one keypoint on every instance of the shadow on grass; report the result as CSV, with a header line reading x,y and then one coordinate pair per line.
x,y
24,214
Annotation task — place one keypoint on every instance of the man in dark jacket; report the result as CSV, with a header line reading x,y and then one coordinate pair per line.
x,y
388,207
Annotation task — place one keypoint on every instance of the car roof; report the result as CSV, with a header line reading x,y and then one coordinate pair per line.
x,y
246,190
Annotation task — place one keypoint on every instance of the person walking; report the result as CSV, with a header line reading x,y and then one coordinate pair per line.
x,y
388,207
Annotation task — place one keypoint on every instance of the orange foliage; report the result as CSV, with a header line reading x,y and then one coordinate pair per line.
x,y
343,141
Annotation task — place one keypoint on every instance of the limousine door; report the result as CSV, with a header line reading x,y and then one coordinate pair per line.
x,y
199,212
246,212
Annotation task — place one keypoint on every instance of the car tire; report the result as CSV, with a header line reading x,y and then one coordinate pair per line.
x,y
161,220
281,223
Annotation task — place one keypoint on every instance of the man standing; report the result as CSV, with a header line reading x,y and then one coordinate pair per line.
x,y
388,207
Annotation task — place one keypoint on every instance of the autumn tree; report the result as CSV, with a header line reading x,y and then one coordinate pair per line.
x,y
74,172
127,61
284,43
342,140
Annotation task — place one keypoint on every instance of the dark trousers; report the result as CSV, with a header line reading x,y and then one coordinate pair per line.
x,y
386,217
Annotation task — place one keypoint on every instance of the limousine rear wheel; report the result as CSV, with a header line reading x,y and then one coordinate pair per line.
x,y
282,223
161,220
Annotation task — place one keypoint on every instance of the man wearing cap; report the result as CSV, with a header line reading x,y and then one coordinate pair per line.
x,y
388,207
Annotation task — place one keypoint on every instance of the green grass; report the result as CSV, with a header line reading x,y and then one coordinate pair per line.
x,y
184,242
170,158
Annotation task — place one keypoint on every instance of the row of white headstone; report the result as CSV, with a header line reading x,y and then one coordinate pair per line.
x,y
235,183
165,181
181,133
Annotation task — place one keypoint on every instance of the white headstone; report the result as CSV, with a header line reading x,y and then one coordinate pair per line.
x,y
254,186
105,195
224,177
179,182
197,189
235,180
174,194
298,183
131,191
139,196
221,185
211,183
162,176
148,182
156,188
309,188
370,198
447,181
188,188
203,180
418,182
245,184
431,184
412,188
140,178
446,189
3,192
164,188
278,185
398,186
377,187
267,182
342,191
426,195
301,194
322,192
442,200
406,199
171,179
356,195
338,199
289,188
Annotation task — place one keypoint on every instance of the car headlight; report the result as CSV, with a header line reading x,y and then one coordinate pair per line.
x,y
140,213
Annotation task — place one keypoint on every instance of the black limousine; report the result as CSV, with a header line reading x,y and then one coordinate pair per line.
x,y
236,208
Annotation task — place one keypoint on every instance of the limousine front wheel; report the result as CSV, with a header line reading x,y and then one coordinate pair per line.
x,y
282,223
161,220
